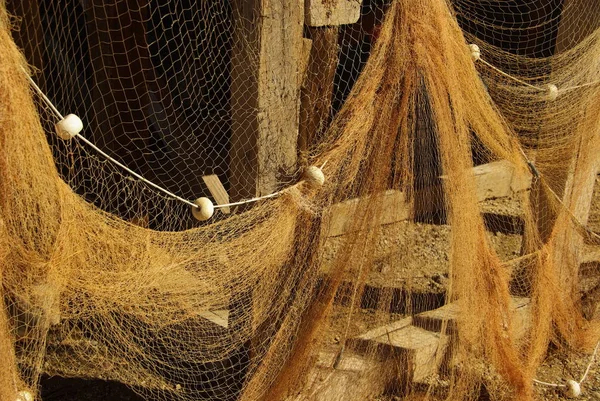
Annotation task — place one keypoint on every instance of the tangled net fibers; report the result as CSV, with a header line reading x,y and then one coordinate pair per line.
x,y
86,293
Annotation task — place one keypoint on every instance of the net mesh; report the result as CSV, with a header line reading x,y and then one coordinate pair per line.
x,y
447,252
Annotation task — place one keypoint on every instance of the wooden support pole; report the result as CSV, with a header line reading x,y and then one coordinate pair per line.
x,y
265,88
574,185
266,64
568,244
317,89
336,12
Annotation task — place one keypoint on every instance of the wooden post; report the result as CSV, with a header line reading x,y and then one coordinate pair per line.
x,y
563,183
336,12
265,88
317,89
266,62
579,188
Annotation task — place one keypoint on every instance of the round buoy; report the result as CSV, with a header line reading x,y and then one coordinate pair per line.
x,y
314,176
573,389
475,52
552,93
24,395
205,209
68,127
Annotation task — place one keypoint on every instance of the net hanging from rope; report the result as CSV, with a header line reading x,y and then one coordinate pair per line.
x,y
321,292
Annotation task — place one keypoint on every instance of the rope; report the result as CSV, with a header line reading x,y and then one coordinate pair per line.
x,y
133,173
587,370
538,88
498,70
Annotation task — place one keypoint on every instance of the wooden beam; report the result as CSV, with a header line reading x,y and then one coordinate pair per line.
x,y
416,342
338,220
418,351
266,64
499,180
433,320
332,12
355,377
493,180
304,59
568,243
217,190
265,88
317,88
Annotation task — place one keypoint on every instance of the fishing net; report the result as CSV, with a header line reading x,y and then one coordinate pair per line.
x,y
446,251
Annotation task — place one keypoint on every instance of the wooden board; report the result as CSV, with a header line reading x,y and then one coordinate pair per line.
x,y
418,352
355,377
591,254
568,243
493,180
304,60
217,190
332,12
339,219
266,63
265,94
317,88
219,317
417,345
433,320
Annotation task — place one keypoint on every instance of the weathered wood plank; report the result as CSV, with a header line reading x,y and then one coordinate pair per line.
x,y
416,342
499,180
383,330
355,377
338,220
493,180
433,320
317,88
217,190
591,254
265,88
332,12
417,351
219,317
568,243
266,62
304,59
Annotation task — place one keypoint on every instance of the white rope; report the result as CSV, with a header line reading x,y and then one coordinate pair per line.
x,y
498,70
133,173
587,370
538,88
258,198
548,384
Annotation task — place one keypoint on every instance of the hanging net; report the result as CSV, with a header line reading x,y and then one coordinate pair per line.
x,y
451,252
